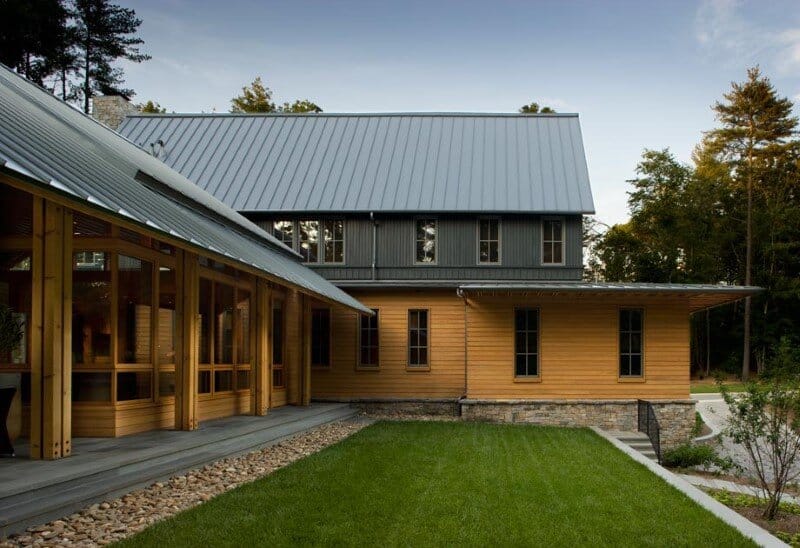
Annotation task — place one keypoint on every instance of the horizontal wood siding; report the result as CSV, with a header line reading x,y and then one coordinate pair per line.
x,y
223,406
135,418
392,379
93,421
578,350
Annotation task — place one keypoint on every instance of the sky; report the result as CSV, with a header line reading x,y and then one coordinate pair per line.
x,y
641,74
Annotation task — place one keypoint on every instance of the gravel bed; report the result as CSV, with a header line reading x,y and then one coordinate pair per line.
x,y
110,521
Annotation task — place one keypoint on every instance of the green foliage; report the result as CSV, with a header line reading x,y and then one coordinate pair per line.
x,y
688,456
31,36
765,420
697,429
10,330
785,363
254,98
151,107
300,106
729,498
453,484
534,108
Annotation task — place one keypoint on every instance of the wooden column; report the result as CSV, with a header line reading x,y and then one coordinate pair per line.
x,y
188,318
51,339
305,389
293,349
262,368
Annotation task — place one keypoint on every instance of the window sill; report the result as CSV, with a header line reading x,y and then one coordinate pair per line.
x,y
368,368
632,379
418,368
537,378
320,367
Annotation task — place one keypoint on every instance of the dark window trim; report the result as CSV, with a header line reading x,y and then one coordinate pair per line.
x,y
359,364
478,241
538,373
435,240
641,376
330,339
296,240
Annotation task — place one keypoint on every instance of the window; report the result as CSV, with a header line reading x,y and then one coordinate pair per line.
x,y
418,338
284,231
16,282
368,340
488,241
278,380
91,309
552,241
134,310
134,385
334,241
223,323
320,337
631,321
526,342
309,241
426,241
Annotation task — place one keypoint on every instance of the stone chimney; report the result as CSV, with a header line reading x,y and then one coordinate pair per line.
x,y
111,109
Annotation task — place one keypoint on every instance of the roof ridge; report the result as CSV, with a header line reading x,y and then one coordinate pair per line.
x,y
432,114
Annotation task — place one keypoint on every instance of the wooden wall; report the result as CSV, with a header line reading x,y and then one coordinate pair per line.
x,y
392,379
578,349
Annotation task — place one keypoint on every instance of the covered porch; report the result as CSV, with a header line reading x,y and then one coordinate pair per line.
x,y
33,492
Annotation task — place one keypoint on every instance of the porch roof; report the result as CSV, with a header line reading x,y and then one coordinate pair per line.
x,y
700,296
48,143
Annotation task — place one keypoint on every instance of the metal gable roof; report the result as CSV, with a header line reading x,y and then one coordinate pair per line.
x,y
46,140
376,162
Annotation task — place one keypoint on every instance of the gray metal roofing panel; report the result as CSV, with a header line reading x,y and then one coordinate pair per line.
x,y
399,162
47,140
613,286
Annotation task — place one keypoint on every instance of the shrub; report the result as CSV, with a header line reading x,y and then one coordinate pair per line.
x,y
687,456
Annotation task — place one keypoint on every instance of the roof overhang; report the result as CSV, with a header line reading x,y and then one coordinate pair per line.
x,y
699,296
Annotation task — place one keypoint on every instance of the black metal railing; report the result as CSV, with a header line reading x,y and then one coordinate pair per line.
x,y
648,424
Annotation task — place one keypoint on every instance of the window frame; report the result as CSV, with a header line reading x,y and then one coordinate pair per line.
x,y
641,376
293,244
324,242
359,365
499,240
538,376
435,261
282,365
427,365
542,240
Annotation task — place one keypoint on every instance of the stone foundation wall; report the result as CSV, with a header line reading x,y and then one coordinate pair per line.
x,y
675,417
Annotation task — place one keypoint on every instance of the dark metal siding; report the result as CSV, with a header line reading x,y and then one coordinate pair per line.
x,y
457,250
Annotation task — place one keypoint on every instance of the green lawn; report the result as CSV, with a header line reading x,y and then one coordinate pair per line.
x,y
710,388
452,483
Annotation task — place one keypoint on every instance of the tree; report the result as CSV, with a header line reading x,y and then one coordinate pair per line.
x,y
300,106
31,36
106,33
756,126
151,107
254,98
765,420
534,108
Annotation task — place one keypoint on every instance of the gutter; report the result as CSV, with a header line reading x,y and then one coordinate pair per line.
x,y
374,244
460,293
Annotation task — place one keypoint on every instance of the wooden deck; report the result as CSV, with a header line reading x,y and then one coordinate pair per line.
x,y
36,491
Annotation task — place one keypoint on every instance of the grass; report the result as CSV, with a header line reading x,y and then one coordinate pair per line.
x,y
452,483
702,387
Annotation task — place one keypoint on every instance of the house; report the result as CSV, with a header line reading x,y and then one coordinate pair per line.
x,y
144,302
463,234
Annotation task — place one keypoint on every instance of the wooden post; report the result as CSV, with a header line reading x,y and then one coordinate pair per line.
x,y
293,349
305,389
262,367
51,340
187,316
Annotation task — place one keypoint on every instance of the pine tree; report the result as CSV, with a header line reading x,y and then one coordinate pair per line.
x,y
254,98
32,33
534,108
755,134
106,32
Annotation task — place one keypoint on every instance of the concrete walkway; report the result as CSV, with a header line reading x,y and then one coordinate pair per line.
x,y
713,483
33,492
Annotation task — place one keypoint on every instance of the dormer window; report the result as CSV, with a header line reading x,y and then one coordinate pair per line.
x,y
489,241
426,241
553,241
284,232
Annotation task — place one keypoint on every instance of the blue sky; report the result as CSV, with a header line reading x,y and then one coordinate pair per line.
x,y
640,74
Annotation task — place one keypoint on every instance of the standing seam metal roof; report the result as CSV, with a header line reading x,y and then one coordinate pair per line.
x,y
401,162
64,150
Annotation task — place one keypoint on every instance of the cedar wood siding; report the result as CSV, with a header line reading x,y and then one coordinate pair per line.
x,y
578,349
445,379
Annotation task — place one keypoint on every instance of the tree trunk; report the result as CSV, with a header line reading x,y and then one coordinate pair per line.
x,y
747,268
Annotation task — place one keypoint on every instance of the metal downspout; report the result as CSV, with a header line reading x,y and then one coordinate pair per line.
x,y
374,244
460,293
